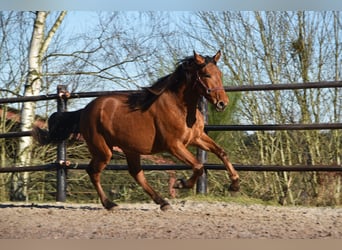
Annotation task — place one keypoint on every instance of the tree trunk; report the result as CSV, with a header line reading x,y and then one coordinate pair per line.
x,y
38,47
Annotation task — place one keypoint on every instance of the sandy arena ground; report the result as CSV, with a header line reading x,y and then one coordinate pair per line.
x,y
187,220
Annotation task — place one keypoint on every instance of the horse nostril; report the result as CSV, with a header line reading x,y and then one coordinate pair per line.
x,y
221,105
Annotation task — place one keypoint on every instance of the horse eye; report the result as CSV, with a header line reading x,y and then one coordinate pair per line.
x,y
207,75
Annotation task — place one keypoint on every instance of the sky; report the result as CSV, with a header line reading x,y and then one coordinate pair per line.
x,y
78,21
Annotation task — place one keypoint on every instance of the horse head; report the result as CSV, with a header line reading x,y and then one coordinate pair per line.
x,y
208,80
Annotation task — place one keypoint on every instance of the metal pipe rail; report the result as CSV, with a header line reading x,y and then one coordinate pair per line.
x,y
273,127
285,86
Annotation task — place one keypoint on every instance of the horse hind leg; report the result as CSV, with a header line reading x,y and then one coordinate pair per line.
x,y
135,170
97,164
94,175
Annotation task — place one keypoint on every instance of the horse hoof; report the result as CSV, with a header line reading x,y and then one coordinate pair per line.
x,y
235,187
165,207
179,184
109,205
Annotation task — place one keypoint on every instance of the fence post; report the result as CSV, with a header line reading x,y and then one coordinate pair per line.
x,y
201,186
61,148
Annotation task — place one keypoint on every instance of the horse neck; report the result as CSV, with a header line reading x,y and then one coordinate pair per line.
x,y
188,100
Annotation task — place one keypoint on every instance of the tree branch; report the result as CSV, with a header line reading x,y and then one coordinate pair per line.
x,y
52,32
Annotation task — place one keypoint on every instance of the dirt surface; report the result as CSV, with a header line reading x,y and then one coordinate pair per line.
x,y
187,220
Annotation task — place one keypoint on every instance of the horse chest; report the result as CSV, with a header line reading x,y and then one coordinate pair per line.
x,y
191,134
178,130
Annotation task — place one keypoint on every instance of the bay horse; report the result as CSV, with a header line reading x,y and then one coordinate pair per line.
x,y
161,118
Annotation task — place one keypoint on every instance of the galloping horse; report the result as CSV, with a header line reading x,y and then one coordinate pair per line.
x,y
160,118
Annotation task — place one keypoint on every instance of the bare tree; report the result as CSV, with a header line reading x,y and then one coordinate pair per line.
x,y
40,41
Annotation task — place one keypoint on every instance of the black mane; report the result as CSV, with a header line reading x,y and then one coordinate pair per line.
x,y
142,100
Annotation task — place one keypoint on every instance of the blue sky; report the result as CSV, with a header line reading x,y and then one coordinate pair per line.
x,y
79,21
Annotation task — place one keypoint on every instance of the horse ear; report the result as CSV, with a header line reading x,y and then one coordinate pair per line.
x,y
217,56
198,59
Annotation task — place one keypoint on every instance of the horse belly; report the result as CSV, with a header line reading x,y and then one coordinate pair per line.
x,y
132,131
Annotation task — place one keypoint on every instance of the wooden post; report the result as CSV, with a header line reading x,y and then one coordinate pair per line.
x,y
61,148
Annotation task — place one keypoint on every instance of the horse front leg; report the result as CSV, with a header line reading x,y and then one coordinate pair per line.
x,y
206,143
183,154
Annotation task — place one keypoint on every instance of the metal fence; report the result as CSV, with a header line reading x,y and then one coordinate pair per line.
x,y
61,167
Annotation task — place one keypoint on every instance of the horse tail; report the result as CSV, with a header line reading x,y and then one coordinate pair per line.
x,y
61,125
